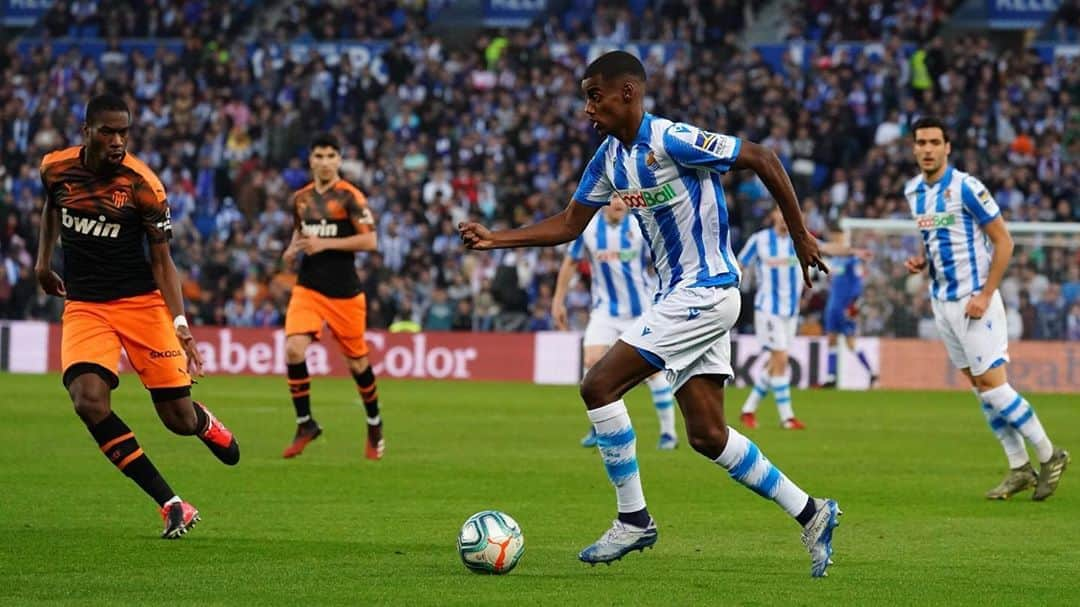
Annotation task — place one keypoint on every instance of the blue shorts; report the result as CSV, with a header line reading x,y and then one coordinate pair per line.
x,y
838,321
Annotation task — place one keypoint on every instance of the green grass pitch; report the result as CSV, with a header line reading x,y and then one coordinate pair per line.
x,y
331,528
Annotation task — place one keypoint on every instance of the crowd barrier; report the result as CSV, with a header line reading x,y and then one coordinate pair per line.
x,y
555,358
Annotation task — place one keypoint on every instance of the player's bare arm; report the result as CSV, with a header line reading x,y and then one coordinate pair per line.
x,y
168,281
999,236
561,227
49,280
558,300
837,249
766,164
289,256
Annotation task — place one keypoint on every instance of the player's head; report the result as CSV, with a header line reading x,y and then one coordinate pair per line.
x,y
932,145
615,210
105,132
614,87
325,157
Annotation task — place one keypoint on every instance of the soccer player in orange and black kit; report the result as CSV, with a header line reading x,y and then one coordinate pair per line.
x,y
105,204
332,222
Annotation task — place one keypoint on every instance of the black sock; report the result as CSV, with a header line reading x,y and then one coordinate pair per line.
x,y
365,383
202,420
300,388
808,512
118,444
640,518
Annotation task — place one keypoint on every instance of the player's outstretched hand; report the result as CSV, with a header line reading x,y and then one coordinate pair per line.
x,y
194,361
50,282
864,254
558,314
915,264
475,236
809,254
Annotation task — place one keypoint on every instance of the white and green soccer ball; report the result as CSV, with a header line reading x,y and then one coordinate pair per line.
x,y
491,542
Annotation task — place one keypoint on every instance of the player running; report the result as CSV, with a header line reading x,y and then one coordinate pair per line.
x,y
106,205
331,222
956,215
669,175
841,309
616,251
771,254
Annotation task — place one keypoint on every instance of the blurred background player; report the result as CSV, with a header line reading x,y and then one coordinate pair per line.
x,y
331,223
669,175
106,206
770,253
967,249
621,293
841,312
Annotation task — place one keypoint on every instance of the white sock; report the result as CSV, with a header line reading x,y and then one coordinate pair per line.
x,y
618,449
1019,414
374,421
303,419
173,500
663,400
1010,439
782,391
746,464
760,390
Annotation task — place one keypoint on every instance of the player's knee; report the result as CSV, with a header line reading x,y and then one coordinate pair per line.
x,y
595,391
91,405
358,365
295,351
708,440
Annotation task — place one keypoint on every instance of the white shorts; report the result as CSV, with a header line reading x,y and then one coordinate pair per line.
x,y
978,345
604,329
775,332
688,333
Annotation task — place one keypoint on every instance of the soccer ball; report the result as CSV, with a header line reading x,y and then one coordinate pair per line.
x,y
490,542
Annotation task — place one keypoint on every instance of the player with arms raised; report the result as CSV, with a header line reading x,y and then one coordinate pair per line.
x,y
957,216
106,205
331,223
841,309
669,175
616,251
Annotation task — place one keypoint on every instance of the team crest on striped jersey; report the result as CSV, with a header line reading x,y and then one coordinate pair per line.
x,y
119,198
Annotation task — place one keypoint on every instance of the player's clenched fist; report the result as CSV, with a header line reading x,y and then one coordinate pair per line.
x,y
475,236
915,264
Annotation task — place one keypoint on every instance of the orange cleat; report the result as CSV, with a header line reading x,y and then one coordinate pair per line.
x,y
305,433
792,423
219,439
179,517
749,420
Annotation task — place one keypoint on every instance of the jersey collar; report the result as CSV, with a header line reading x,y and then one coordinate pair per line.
x,y
644,133
946,177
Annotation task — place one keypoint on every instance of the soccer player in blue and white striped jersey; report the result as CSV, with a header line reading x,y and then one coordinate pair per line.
x,y
621,292
669,175
967,248
770,253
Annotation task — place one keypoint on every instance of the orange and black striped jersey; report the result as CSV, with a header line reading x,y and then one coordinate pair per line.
x,y
104,221
339,212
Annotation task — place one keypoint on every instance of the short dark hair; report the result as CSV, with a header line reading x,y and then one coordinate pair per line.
x,y
615,64
930,122
106,102
325,140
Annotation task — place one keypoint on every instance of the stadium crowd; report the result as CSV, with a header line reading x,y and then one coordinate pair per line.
x,y
495,130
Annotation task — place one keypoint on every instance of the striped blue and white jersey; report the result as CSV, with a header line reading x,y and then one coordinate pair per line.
x,y
776,272
950,215
620,286
670,179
